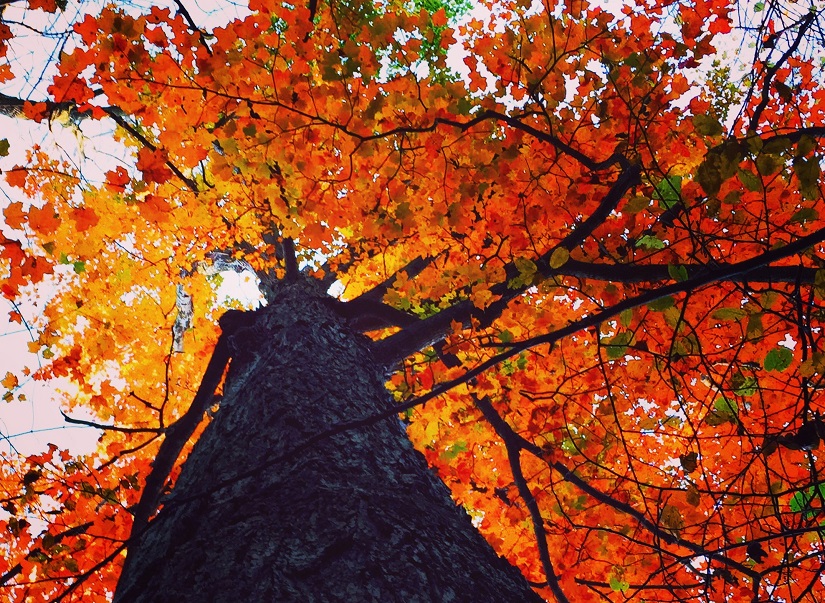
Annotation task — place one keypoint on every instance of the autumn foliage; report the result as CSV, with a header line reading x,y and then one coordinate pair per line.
x,y
625,245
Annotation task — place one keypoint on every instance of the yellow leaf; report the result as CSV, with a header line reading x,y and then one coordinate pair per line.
x,y
9,381
559,257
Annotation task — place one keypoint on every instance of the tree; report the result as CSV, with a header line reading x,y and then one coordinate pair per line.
x,y
590,279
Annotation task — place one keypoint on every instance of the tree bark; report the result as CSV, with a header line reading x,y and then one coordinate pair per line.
x,y
355,517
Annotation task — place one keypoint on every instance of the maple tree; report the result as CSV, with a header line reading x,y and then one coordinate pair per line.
x,y
591,273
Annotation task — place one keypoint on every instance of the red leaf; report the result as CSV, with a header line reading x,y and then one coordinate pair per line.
x,y
153,165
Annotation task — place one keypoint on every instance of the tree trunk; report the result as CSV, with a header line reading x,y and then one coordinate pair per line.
x,y
354,517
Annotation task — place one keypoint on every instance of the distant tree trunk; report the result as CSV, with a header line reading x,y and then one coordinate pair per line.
x,y
354,517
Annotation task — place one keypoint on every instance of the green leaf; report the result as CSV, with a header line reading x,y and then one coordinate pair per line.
x,y
758,7
801,501
636,204
726,405
709,177
526,273
616,346
677,273
750,180
729,314
650,242
4,147
777,145
724,411
754,328
778,359
558,258
661,304
744,385
618,585
806,214
808,173
805,145
669,191
626,317
798,502
768,164
707,125
454,450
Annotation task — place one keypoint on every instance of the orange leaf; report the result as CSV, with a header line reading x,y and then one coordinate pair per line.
x,y
15,216
85,218
35,111
70,87
17,177
155,209
87,29
118,179
440,18
44,219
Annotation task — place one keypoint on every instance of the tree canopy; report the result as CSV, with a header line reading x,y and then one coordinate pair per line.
x,y
601,246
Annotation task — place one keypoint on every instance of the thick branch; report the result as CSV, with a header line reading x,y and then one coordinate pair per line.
x,y
730,272
431,330
753,270
514,446
179,433
650,273
290,260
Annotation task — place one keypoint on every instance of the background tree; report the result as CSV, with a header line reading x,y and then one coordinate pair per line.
x,y
592,276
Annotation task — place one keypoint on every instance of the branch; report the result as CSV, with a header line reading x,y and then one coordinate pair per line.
x,y
74,421
179,432
512,121
119,120
412,269
804,24
730,272
290,261
430,330
514,445
652,273
514,441
643,521
79,580
188,18
667,587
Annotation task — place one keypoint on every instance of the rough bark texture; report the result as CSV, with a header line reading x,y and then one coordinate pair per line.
x,y
354,517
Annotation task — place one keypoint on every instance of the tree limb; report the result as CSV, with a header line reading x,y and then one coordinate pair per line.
x,y
179,432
